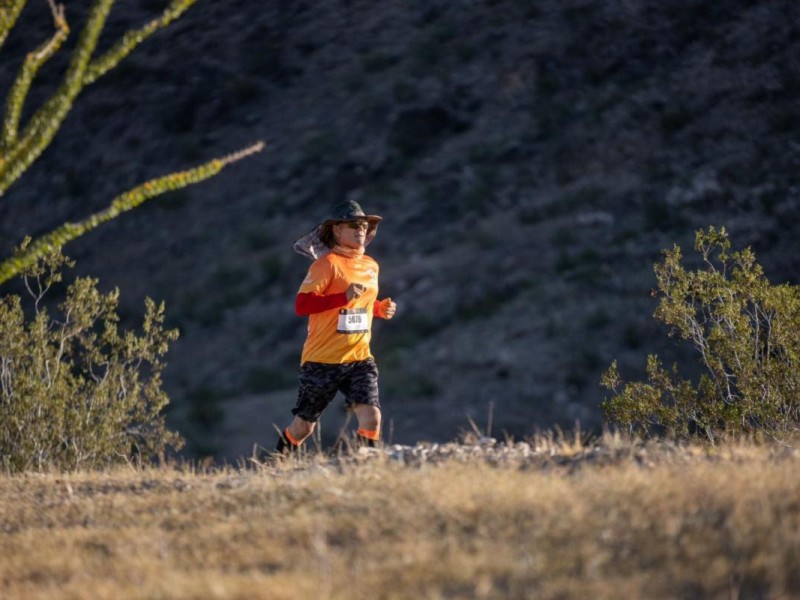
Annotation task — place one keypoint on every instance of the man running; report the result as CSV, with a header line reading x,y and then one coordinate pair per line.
x,y
340,297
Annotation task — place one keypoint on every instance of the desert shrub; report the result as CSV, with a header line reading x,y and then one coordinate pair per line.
x,y
75,390
747,334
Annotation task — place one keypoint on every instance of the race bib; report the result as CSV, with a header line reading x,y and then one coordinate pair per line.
x,y
353,320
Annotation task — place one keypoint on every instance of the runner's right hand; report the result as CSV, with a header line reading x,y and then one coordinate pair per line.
x,y
354,290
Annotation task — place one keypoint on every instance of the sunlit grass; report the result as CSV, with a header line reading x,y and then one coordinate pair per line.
x,y
557,518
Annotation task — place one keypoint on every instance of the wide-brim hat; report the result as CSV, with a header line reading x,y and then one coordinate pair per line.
x,y
313,244
350,211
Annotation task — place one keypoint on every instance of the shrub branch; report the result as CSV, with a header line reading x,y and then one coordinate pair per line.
x,y
9,11
17,153
30,67
129,200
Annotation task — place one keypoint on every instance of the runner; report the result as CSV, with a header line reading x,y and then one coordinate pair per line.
x,y
340,297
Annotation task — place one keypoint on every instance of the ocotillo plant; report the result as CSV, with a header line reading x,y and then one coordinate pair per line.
x,y
22,143
26,257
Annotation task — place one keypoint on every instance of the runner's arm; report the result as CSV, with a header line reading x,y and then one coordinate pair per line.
x,y
309,303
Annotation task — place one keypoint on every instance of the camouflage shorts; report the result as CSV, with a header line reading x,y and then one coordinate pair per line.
x,y
319,382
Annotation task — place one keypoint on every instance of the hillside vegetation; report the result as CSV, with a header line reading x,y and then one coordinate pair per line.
x,y
547,518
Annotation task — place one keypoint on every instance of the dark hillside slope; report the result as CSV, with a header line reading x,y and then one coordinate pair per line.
x,y
531,159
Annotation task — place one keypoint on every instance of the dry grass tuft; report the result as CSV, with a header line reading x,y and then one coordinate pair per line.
x,y
550,518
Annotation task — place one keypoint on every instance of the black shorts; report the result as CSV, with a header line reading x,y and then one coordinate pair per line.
x,y
319,382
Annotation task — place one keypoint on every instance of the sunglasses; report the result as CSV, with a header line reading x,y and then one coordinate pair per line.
x,y
356,225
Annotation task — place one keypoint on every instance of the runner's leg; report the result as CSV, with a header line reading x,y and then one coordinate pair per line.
x,y
299,429
369,423
317,387
361,389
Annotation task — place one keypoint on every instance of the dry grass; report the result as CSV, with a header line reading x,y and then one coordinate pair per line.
x,y
563,520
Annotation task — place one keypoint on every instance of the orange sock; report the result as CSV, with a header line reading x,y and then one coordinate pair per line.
x,y
370,434
290,437
286,443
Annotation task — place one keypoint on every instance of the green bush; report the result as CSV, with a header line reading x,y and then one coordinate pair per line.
x,y
75,391
747,334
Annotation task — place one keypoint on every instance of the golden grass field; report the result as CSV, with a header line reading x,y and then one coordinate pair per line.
x,y
565,519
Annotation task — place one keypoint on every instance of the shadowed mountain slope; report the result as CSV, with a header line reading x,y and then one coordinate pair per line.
x,y
531,160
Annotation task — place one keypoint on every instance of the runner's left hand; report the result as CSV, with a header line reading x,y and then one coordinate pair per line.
x,y
389,308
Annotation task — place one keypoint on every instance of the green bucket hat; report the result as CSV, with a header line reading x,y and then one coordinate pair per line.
x,y
350,211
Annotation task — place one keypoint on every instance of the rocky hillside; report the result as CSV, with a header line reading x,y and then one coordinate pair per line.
x,y
531,159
